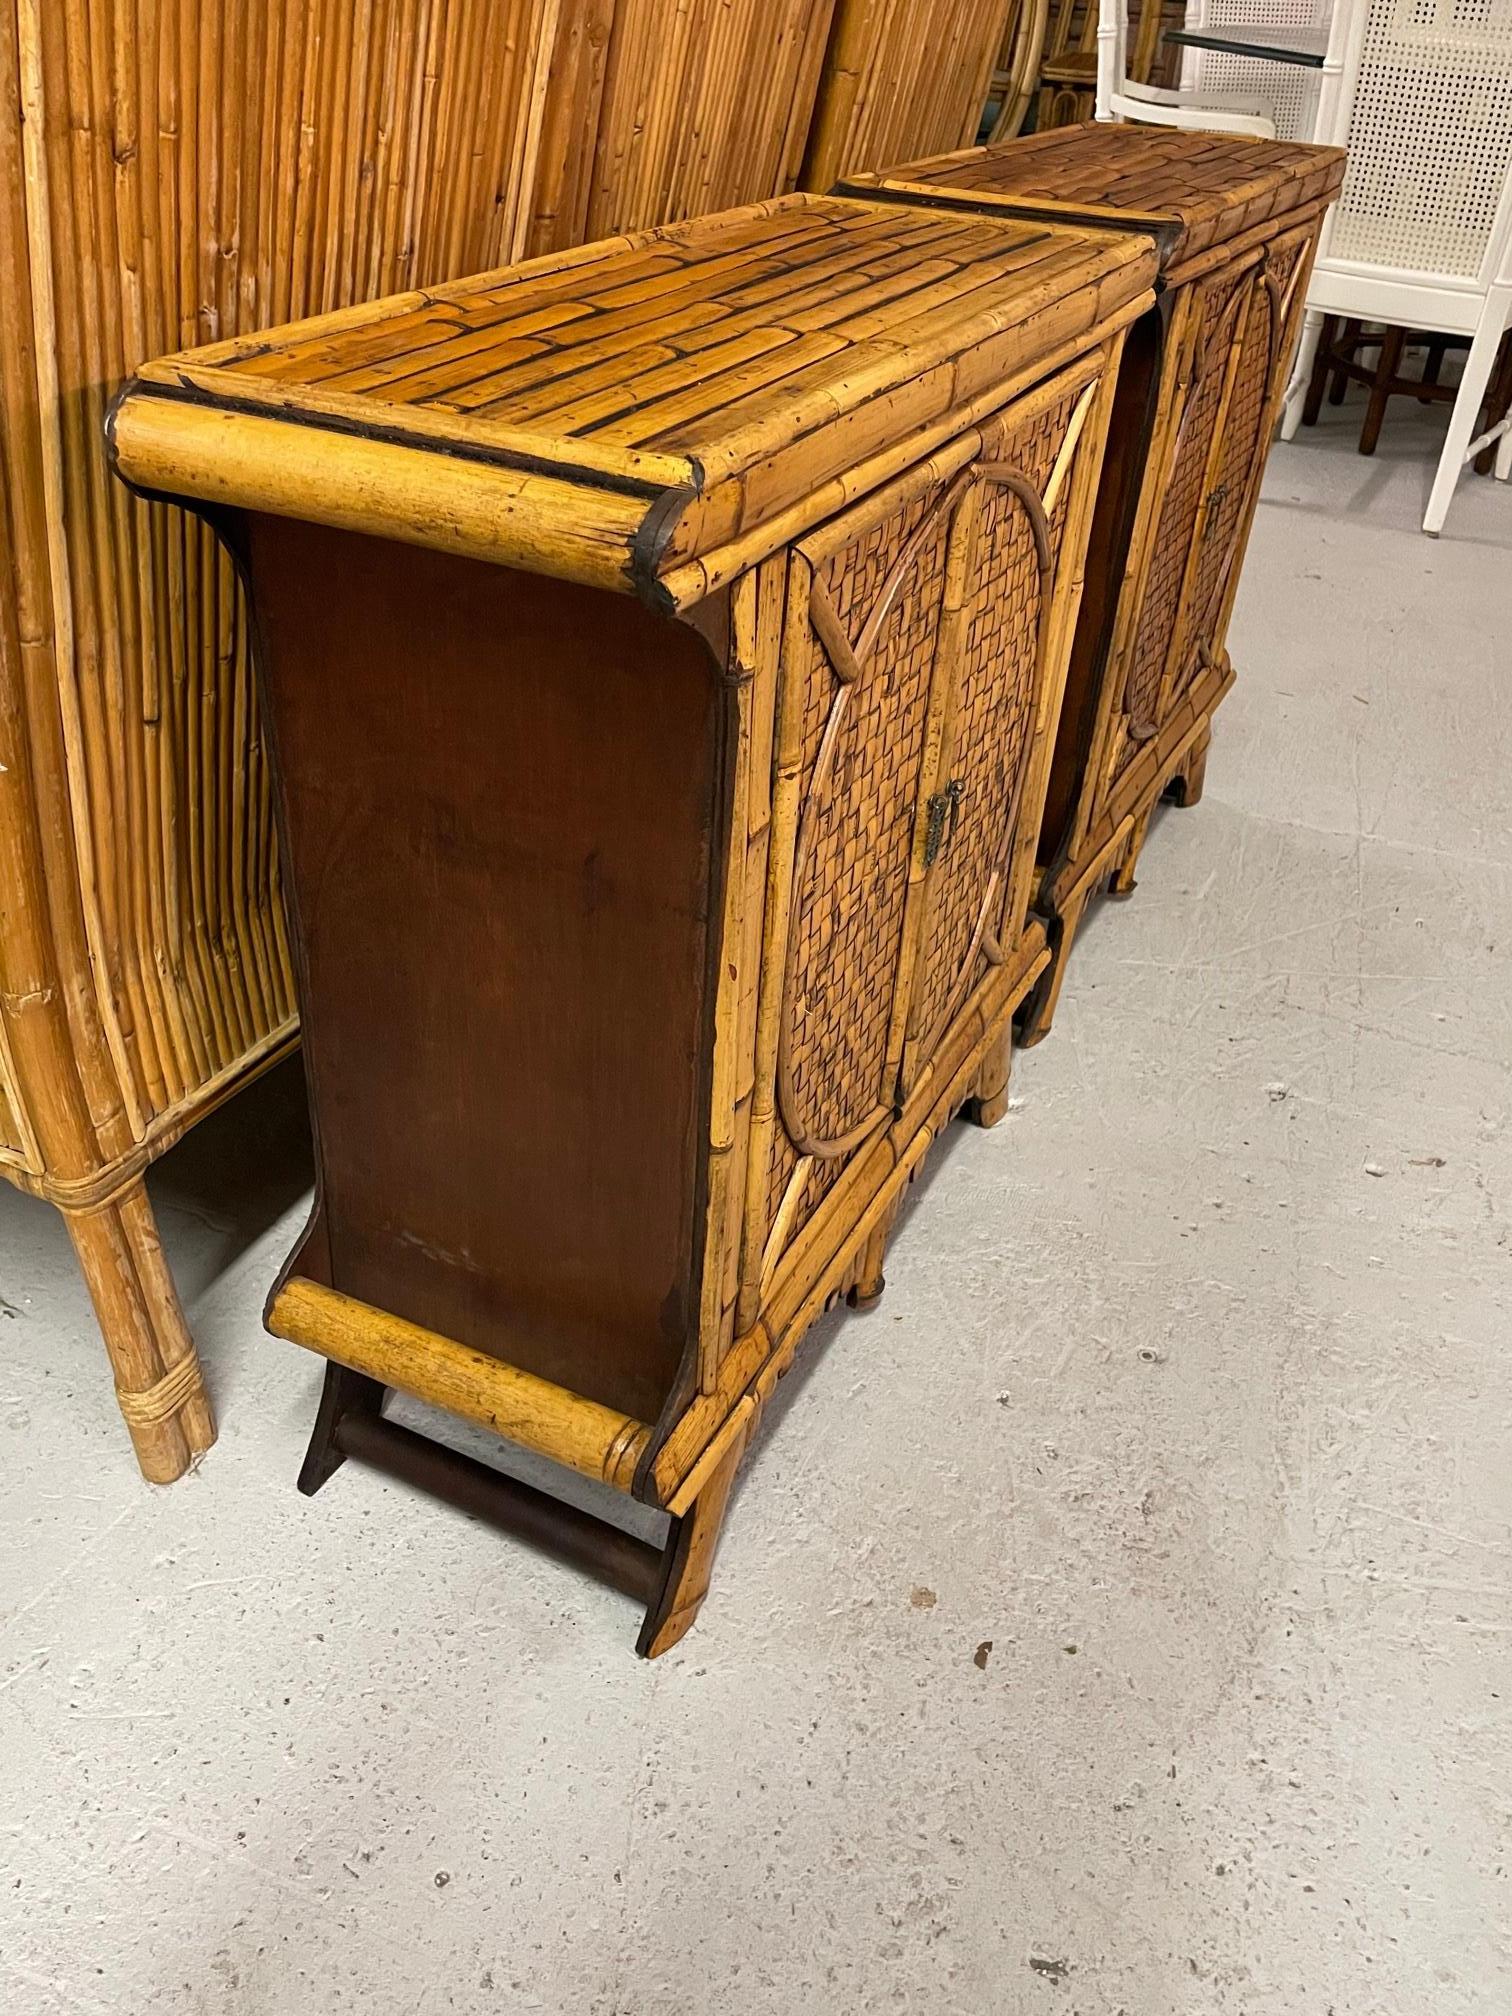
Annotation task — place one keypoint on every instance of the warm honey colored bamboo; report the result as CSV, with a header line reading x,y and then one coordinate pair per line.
x,y
594,1440
658,112
837,461
901,77
170,174
1237,222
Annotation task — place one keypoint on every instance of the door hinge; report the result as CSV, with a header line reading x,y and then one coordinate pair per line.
x,y
944,817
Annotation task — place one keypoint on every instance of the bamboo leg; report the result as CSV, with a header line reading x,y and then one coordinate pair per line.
x,y
989,1102
689,1559
866,1290
1185,788
1121,881
1039,1012
1386,373
344,1392
157,1371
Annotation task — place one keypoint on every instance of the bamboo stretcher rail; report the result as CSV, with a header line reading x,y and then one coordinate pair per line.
x,y
593,1440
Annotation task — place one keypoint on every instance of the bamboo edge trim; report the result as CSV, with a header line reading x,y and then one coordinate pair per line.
x,y
579,1433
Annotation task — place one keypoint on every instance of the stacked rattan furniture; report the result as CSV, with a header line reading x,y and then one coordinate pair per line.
x,y
661,647
1237,223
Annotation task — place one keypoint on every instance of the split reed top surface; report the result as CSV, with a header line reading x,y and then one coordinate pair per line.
x,y
1190,190
642,413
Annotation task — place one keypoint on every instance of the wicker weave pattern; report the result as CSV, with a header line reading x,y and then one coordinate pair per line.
x,y
1160,607
1242,450
994,709
848,916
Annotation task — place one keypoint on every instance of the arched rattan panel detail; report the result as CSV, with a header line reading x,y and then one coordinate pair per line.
x,y
1005,476
848,662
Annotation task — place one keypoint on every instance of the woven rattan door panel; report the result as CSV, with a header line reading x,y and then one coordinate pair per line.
x,y
865,604
1273,296
1008,539
1215,312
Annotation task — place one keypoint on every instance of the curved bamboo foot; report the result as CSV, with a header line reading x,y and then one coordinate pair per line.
x,y
1121,882
689,1557
1039,1010
158,1381
989,1102
1185,788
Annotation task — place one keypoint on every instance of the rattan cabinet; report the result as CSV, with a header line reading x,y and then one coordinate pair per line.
x,y
661,647
1236,221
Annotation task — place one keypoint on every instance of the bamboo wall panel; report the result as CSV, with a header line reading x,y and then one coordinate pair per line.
x,y
170,174
901,78
658,111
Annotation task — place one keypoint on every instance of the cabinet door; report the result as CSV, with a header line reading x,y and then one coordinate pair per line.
x,y
1006,673
865,596
1261,353
1203,351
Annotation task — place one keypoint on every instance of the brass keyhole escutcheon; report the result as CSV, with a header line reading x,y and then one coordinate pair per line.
x,y
944,817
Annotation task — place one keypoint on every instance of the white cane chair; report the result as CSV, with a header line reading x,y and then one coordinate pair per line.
x,y
1291,91
1422,233
1119,96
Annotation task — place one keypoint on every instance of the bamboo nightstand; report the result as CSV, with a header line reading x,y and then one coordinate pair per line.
x,y
1237,223
661,645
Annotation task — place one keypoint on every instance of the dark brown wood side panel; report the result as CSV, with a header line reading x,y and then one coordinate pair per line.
x,y
503,794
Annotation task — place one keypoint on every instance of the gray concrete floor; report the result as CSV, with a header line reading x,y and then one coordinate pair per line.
x,y
1188,1401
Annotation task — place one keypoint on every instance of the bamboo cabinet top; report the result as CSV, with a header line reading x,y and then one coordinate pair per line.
x,y
1193,192
651,414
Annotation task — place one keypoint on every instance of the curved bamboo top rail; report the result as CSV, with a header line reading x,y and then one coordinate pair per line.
x,y
1192,191
646,414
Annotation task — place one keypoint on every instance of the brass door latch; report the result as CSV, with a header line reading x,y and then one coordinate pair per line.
x,y
944,817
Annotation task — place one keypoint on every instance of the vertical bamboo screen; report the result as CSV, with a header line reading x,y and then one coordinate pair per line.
x,y
902,78
660,109
192,171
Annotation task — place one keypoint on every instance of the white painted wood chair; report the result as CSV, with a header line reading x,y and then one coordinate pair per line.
x,y
1422,233
1292,92
1120,97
